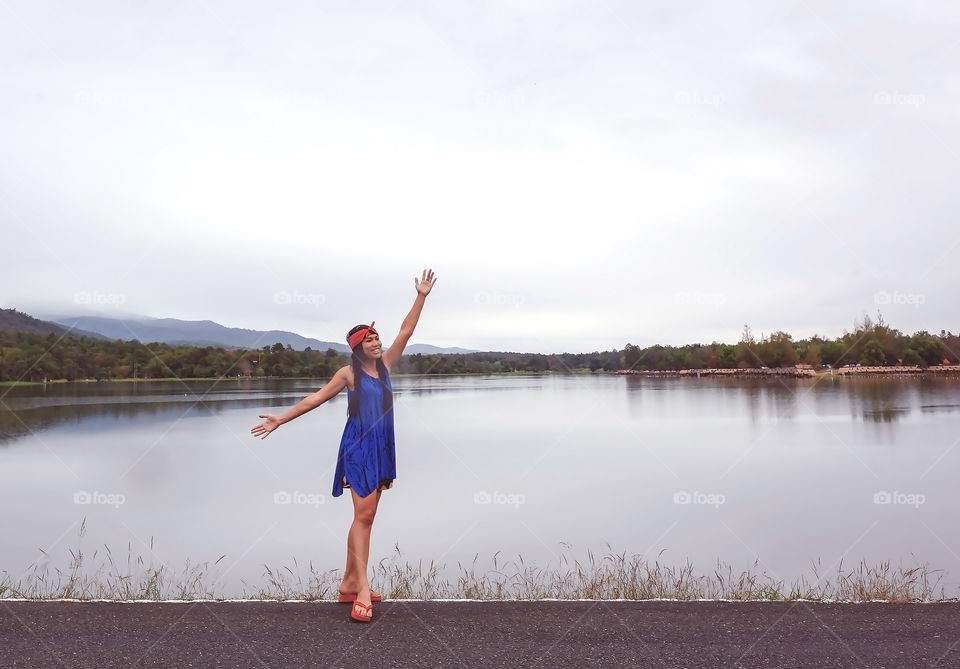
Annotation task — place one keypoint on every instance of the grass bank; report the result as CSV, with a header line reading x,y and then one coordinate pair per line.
x,y
608,576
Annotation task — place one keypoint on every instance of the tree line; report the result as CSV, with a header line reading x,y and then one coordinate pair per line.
x,y
27,356
872,343
34,357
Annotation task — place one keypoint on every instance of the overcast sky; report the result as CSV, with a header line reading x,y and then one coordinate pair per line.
x,y
579,175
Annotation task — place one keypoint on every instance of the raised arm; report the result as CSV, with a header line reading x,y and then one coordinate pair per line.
x,y
308,403
423,286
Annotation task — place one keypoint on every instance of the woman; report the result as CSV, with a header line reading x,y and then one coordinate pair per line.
x,y
366,463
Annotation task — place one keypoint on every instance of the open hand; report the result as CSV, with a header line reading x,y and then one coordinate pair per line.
x,y
425,283
266,427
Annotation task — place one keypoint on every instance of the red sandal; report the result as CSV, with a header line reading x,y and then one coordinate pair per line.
x,y
352,597
361,612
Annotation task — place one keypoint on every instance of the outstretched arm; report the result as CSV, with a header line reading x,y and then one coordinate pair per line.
x,y
308,403
423,286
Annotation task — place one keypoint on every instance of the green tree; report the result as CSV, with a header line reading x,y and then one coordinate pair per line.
x,y
831,353
726,357
873,354
927,347
812,355
777,350
911,357
631,356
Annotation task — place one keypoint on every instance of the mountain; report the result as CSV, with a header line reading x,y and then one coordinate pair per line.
x,y
17,321
427,349
208,333
192,333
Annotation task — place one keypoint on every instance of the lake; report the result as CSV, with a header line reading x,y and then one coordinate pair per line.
x,y
777,473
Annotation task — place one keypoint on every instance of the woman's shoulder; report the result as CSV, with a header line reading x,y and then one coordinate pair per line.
x,y
345,374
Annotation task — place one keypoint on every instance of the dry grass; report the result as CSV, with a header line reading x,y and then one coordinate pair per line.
x,y
607,577
285,584
134,579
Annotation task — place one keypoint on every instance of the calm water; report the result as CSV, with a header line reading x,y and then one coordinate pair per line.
x,y
787,472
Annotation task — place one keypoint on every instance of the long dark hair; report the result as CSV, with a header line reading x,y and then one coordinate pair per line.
x,y
356,359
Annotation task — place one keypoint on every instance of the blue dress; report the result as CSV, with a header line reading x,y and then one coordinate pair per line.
x,y
367,457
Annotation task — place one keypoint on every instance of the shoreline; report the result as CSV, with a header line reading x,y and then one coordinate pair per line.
x,y
796,372
288,378
793,372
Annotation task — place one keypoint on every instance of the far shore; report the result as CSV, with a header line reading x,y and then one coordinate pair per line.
x,y
796,372
282,378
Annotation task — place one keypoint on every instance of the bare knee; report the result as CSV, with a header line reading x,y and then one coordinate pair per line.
x,y
363,520
364,517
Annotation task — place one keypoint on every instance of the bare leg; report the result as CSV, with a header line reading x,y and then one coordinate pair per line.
x,y
358,545
350,582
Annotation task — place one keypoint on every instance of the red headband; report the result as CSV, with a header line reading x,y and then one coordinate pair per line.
x,y
360,335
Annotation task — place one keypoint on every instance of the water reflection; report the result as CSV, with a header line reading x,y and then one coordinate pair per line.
x,y
774,397
761,399
939,408
895,398
32,409
878,399
881,400
887,415
29,409
16,424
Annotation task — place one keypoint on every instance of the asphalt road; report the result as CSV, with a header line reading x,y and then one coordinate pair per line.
x,y
455,634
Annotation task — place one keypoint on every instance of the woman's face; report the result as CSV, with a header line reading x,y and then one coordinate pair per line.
x,y
372,348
